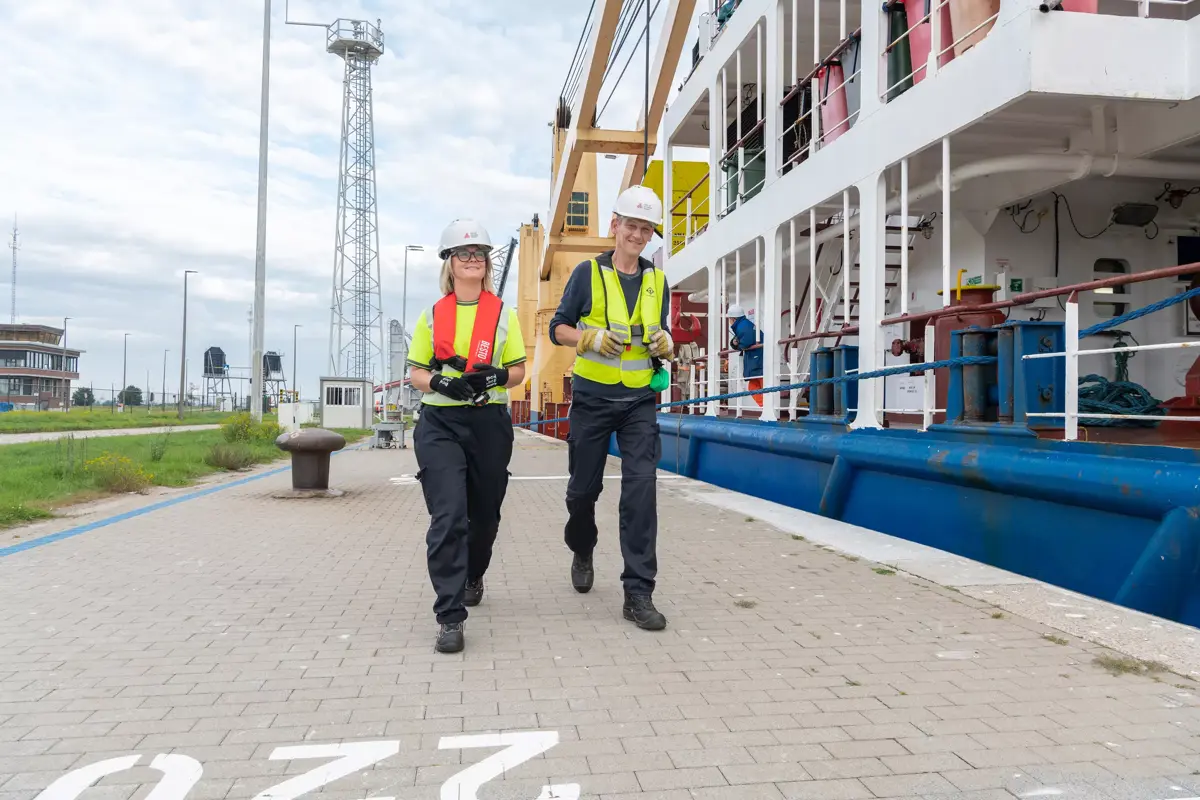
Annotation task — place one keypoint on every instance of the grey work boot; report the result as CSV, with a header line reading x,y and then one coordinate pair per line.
x,y
582,573
639,609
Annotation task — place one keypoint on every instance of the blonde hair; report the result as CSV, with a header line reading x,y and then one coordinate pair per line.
x,y
446,280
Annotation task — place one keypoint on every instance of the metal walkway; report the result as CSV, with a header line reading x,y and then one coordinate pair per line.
x,y
231,645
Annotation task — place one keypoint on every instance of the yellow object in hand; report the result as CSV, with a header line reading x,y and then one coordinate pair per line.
x,y
661,345
598,341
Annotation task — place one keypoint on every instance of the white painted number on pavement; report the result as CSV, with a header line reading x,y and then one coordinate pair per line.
x,y
180,773
519,747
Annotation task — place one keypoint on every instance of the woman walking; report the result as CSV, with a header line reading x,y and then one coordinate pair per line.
x,y
466,352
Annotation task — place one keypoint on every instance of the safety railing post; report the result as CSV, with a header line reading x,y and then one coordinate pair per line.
x,y
927,381
903,236
946,221
1071,403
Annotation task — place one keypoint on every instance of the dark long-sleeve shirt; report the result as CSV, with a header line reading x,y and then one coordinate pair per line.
x,y
576,304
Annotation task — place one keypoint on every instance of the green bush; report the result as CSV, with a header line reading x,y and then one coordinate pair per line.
x,y
233,456
242,428
158,448
119,474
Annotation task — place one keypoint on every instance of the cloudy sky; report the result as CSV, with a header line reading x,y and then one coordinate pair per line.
x,y
129,153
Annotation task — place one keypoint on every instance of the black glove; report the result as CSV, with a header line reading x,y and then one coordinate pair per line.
x,y
486,377
454,388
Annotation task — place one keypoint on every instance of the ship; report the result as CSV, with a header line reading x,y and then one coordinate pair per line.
x,y
967,236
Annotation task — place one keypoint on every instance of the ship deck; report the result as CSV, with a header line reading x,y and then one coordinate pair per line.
x,y
261,639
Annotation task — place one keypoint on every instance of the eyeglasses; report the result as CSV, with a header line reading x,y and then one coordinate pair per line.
x,y
469,254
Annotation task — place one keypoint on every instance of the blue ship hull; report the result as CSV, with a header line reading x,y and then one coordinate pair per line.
x,y
1120,523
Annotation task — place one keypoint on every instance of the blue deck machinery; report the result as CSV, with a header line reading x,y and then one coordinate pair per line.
x,y
1120,523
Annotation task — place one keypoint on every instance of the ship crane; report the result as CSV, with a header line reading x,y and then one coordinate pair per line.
x,y
574,227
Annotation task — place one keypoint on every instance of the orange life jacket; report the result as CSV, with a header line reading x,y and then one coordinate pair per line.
x,y
483,334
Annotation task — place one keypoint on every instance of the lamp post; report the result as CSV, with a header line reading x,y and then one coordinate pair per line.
x,y
163,400
260,250
295,386
404,303
183,345
124,370
65,383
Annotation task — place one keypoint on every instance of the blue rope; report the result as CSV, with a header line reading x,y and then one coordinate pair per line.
x,y
1098,395
1105,397
901,369
1140,312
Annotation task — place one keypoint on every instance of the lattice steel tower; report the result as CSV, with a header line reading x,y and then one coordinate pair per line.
x,y
356,343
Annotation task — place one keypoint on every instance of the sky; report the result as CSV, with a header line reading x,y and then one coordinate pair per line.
x,y
129,153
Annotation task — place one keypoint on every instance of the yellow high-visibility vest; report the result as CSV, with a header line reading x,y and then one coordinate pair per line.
x,y
633,367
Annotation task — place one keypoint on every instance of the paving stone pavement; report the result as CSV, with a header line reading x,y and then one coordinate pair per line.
x,y
239,646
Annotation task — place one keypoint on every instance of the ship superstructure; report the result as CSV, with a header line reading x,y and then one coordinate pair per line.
x,y
967,236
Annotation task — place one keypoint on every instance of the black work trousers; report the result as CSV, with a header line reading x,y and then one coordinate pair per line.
x,y
463,454
593,422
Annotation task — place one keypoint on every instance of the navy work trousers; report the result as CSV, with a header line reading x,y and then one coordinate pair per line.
x,y
593,422
463,454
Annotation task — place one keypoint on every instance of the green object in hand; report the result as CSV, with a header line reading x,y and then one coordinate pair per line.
x,y
661,380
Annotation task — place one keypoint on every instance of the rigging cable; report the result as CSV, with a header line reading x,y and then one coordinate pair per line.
x,y
579,44
646,104
627,62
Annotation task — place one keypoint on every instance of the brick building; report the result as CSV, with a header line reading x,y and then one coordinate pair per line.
x,y
36,368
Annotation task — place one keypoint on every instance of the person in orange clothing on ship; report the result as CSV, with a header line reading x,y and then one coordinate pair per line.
x,y
466,352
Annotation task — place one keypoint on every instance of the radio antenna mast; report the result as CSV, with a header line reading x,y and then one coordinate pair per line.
x,y
14,246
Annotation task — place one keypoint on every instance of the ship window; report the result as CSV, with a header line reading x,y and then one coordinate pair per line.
x,y
1110,301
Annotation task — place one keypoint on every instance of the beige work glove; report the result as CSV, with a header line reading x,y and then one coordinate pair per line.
x,y
603,342
661,345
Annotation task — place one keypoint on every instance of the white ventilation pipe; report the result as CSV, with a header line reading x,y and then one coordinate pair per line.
x,y
1078,167
1081,166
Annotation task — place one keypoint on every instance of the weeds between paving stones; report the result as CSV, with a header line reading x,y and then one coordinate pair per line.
x,y
884,571
1050,637
998,615
1124,665
745,603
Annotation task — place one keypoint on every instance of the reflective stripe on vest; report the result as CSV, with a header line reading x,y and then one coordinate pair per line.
x,y
633,367
497,395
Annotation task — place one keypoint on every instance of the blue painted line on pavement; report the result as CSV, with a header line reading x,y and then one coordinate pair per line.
x,y
51,538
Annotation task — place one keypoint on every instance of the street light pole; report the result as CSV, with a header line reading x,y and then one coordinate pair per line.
x,y
295,386
183,345
260,252
65,384
404,303
124,370
163,400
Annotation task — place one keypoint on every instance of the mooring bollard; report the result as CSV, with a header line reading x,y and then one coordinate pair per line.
x,y
310,449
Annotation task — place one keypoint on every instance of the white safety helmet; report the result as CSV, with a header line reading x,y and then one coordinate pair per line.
x,y
736,312
462,232
640,202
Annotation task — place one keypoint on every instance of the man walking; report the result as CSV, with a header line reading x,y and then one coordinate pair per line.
x,y
614,313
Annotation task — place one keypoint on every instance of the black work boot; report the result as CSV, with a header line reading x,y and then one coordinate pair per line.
x,y
450,637
639,609
582,573
474,593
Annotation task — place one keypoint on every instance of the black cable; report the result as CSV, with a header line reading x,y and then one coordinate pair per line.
x,y
1071,217
627,63
615,53
646,105
578,45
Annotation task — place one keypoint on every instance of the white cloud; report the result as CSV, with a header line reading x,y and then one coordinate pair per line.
x,y
130,153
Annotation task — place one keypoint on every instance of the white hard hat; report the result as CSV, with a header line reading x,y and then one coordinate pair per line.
x,y
463,232
640,202
736,311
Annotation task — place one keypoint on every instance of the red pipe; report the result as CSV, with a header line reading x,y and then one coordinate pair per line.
x,y
1028,297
